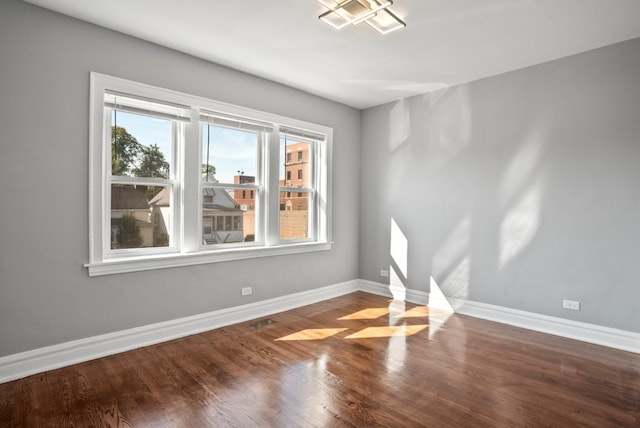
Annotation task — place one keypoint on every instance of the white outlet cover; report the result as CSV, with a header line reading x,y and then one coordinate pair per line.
x,y
571,304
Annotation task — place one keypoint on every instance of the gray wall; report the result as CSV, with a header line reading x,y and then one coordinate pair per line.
x,y
519,190
46,296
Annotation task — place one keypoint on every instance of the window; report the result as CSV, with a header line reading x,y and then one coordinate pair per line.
x,y
170,172
300,156
231,149
295,224
139,183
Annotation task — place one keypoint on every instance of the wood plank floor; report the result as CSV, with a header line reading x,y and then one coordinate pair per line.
x,y
356,361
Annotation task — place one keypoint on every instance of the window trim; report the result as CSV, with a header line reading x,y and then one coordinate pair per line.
x,y
258,187
171,183
187,246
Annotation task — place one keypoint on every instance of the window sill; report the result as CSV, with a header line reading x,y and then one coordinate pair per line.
x,y
135,264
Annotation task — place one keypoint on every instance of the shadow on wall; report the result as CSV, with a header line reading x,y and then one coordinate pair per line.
x,y
497,199
470,201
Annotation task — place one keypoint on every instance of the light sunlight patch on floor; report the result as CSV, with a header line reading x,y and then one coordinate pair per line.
x,y
313,334
387,331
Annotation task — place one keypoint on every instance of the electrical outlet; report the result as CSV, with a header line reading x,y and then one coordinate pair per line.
x,y
246,291
574,305
384,273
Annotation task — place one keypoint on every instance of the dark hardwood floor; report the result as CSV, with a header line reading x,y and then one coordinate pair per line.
x,y
359,360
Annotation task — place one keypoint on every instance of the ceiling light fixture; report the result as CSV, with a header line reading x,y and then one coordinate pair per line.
x,y
375,13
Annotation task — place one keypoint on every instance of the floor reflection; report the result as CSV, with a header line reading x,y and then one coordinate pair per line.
x,y
342,364
394,317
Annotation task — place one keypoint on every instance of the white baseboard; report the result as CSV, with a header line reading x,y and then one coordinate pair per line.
x,y
20,365
413,296
584,332
39,360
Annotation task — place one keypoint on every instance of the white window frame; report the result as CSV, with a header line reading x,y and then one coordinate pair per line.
x,y
171,182
186,246
314,178
258,187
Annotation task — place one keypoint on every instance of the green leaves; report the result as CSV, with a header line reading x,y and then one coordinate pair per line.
x,y
125,150
130,158
152,164
129,235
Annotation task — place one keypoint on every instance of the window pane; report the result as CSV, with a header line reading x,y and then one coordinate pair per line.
x,y
229,155
294,215
226,216
140,145
295,169
140,216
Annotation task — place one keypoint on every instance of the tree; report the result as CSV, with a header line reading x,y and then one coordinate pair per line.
x,y
208,169
125,150
152,164
129,232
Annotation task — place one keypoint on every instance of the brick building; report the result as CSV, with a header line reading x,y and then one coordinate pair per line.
x,y
294,205
245,198
296,174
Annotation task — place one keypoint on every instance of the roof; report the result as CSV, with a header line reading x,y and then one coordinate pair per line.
x,y
162,199
128,197
220,198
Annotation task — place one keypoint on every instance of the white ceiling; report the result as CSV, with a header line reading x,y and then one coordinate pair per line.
x,y
446,42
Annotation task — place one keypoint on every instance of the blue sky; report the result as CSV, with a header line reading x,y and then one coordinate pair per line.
x,y
230,150
147,130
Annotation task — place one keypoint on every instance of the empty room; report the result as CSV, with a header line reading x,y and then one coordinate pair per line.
x,y
320,213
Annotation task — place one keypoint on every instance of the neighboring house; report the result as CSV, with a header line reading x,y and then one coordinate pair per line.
x,y
222,218
131,200
160,207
